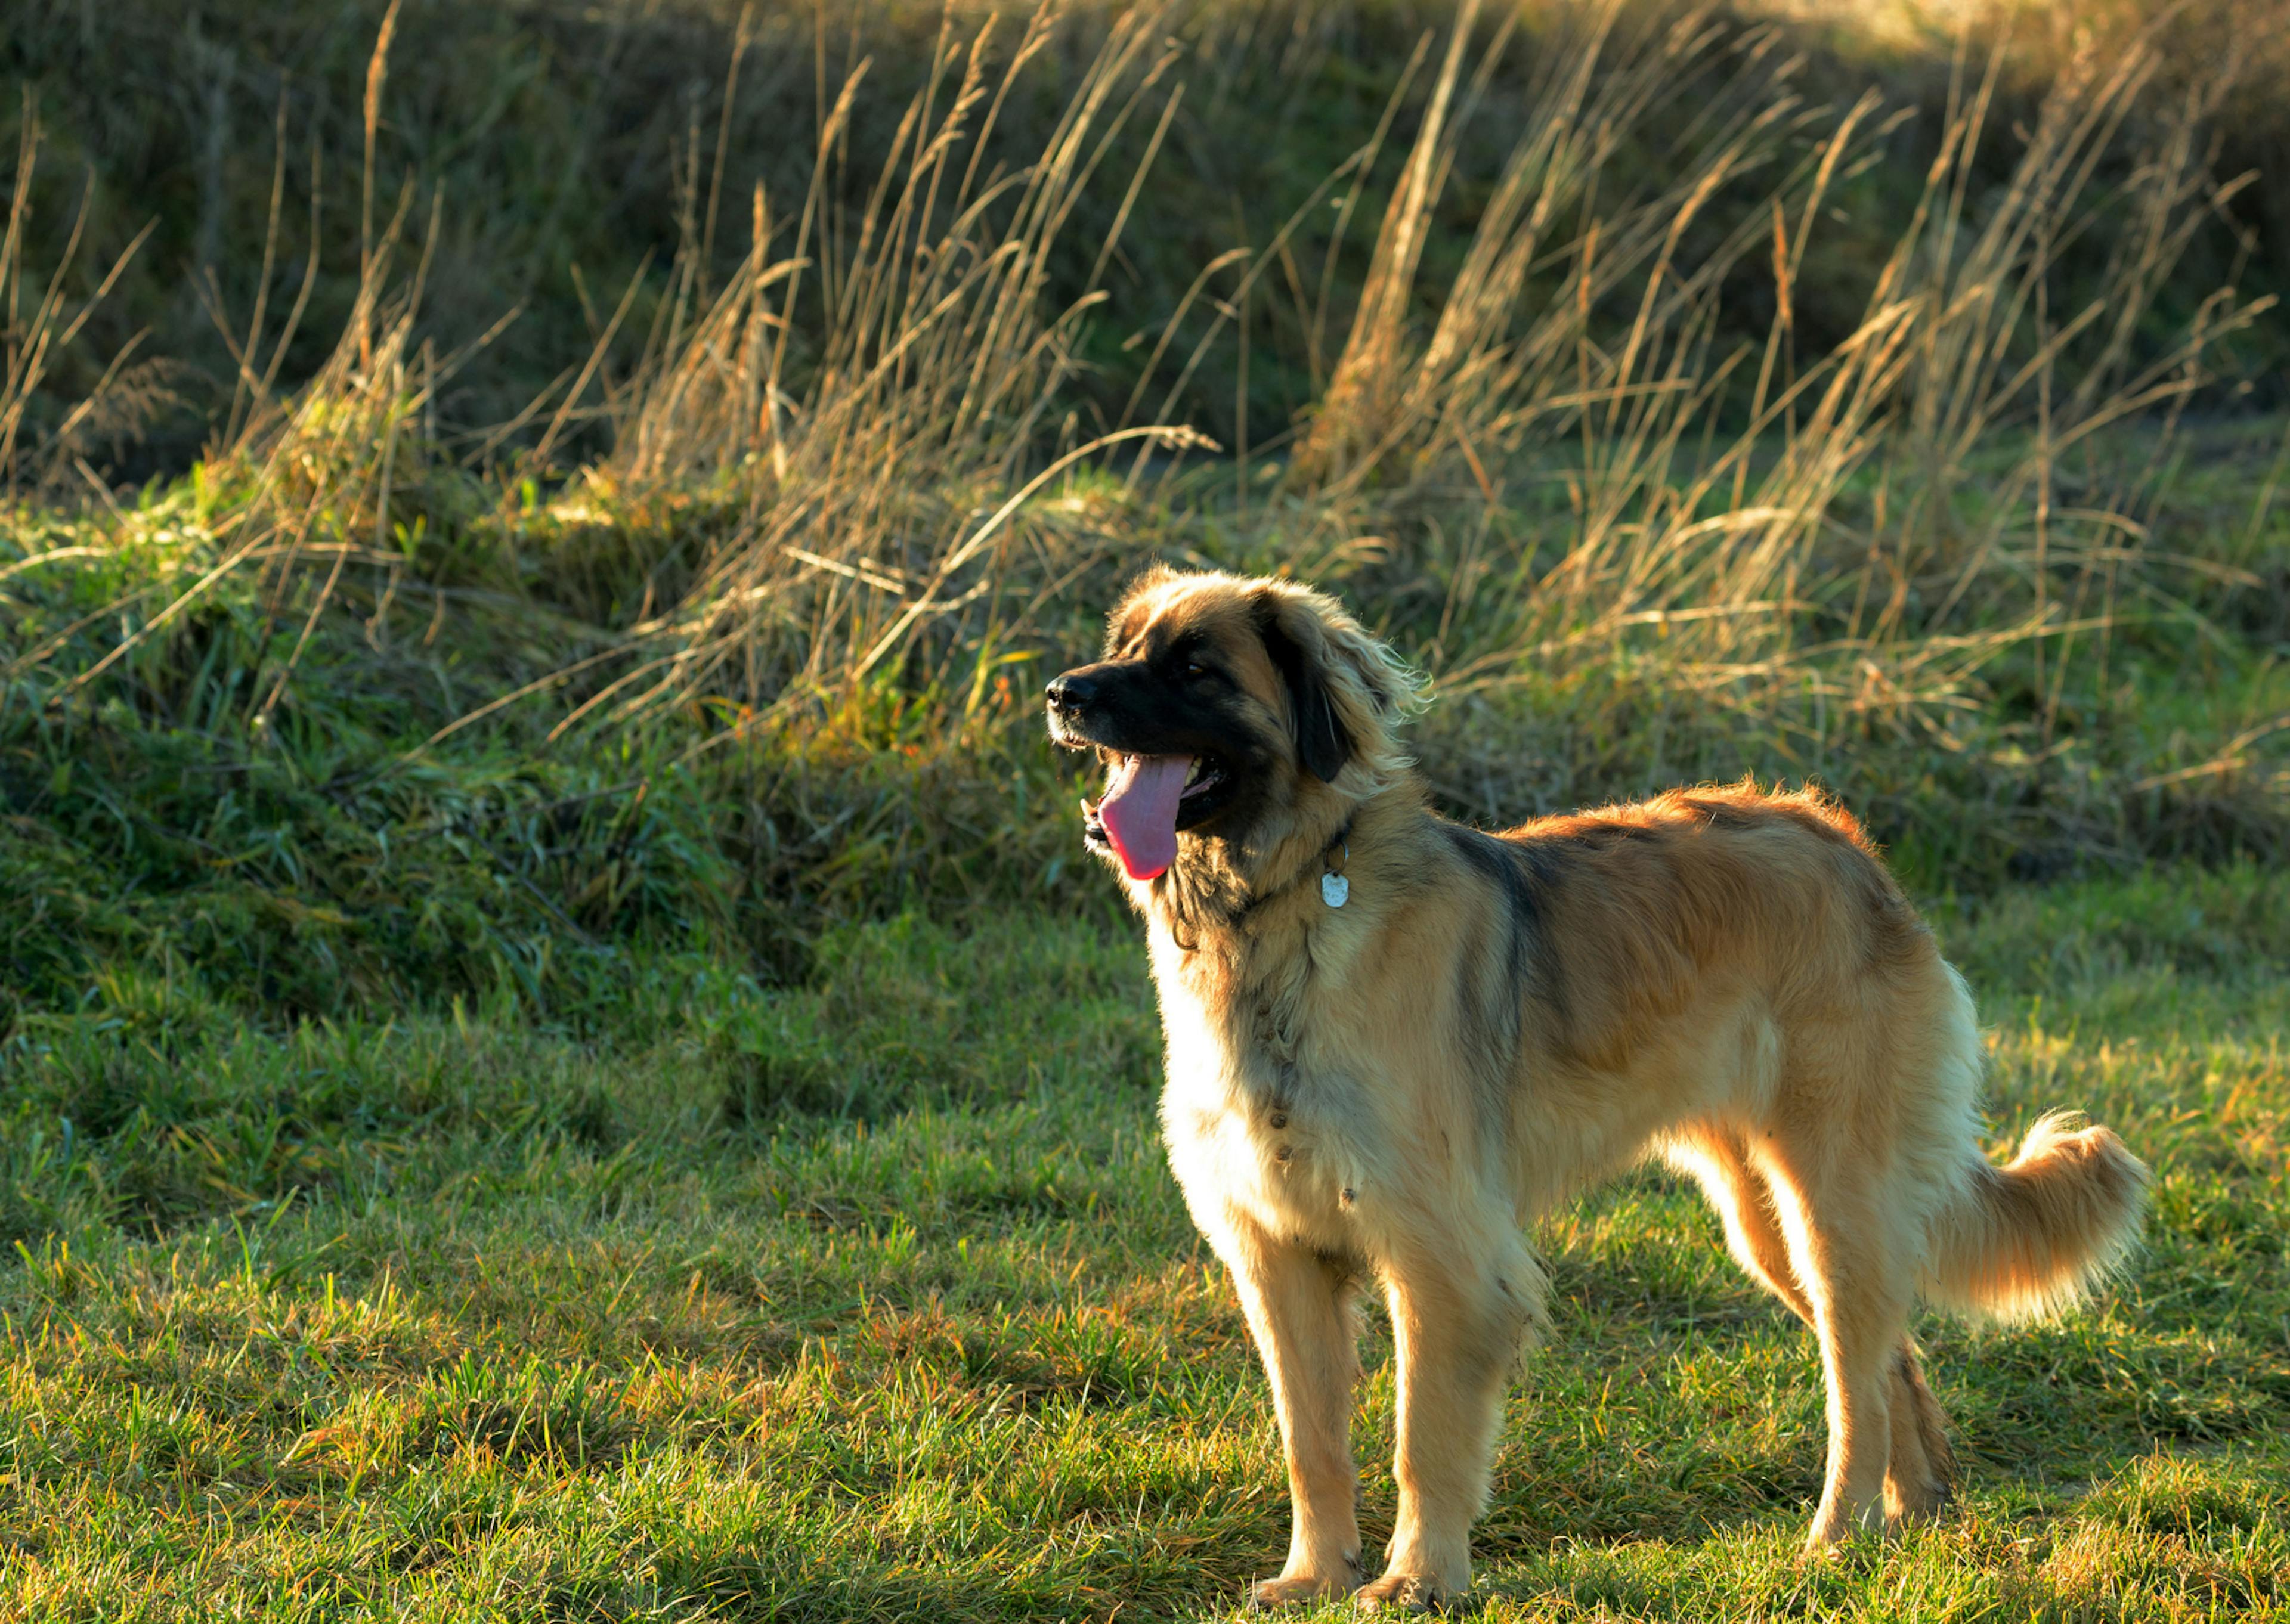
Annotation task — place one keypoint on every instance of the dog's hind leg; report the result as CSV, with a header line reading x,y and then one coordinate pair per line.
x,y
1921,1476
1920,1469
1844,1251
1299,1310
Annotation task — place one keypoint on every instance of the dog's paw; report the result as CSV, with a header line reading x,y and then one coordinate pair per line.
x,y
1293,1590
1859,1549
1296,1590
1914,1506
1405,1593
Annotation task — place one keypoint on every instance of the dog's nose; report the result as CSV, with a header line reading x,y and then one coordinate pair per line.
x,y
1072,692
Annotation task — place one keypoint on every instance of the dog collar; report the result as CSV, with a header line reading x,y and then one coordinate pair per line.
x,y
1335,888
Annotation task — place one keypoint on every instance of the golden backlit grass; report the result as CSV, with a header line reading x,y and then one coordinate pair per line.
x,y
614,1330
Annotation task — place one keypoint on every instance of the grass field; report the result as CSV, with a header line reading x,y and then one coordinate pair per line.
x,y
555,1331
559,1054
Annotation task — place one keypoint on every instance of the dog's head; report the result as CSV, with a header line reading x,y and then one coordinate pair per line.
x,y
1232,708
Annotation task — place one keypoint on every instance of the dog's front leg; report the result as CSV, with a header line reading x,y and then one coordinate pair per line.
x,y
1299,1309
1458,1320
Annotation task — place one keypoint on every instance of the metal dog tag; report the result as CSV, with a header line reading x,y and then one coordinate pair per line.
x,y
1335,890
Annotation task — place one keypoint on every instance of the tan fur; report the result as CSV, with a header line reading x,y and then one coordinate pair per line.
x,y
1390,1092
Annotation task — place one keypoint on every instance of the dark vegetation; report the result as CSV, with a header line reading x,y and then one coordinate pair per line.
x,y
575,149
1684,412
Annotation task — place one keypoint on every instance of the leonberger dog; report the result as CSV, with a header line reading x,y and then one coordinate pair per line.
x,y
1394,1041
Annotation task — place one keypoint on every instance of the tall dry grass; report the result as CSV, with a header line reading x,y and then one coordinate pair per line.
x,y
1844,543
1709,489
871,510
854,479
303,485
37,323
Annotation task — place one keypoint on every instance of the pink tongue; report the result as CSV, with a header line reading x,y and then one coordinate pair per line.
x,y
1140,811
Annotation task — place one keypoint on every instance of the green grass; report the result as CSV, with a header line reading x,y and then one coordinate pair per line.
x,y
871,1298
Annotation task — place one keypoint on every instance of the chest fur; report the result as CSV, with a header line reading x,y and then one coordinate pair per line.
x,y
1265,1120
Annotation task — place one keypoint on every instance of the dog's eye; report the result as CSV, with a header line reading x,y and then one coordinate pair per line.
x,y
1195,671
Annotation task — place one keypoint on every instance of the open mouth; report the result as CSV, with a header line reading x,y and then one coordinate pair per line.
x,y
1148,800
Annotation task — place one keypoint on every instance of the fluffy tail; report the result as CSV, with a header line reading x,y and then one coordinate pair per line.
x,y
2027,1240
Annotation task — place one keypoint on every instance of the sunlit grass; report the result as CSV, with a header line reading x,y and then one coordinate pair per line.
x,y
547,1331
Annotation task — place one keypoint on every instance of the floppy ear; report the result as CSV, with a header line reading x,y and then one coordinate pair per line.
x,y
1348,692
1323,743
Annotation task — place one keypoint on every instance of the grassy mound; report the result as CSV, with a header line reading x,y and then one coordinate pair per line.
x,y
730,636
